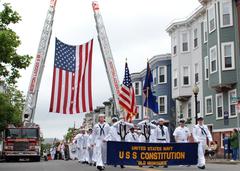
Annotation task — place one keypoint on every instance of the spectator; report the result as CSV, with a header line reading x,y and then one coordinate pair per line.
x,y
234,144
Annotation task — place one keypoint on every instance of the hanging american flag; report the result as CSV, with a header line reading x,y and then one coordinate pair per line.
x,y
127,97
72,78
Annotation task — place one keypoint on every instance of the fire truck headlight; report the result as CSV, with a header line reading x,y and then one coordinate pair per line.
x,y
8,147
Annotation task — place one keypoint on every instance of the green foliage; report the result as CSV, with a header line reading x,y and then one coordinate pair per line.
x,y
70,134
11,107
10,61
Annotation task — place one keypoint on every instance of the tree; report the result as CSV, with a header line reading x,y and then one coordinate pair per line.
x,y
10,61
11,107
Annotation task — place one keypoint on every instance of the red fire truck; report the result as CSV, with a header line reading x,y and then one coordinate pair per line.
x,y
22,143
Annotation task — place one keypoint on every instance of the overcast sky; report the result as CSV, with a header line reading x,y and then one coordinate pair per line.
x,y
135,28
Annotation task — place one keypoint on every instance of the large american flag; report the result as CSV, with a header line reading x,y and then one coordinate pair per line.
x,y
72,78
127,97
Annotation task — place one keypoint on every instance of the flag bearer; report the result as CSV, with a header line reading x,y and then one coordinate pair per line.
x,y
100,131
132,136
200,135
181,133
162,133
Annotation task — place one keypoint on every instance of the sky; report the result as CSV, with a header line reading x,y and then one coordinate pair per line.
x,y
135,29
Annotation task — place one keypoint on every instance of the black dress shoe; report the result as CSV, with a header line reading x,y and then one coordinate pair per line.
x,y
122,166
100,168
166,166
201,167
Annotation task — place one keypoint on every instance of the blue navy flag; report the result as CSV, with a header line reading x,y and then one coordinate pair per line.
x,y
150,100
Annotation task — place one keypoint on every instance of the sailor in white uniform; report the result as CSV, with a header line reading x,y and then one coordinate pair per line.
x,y
100,131
90,145
181,133
132,136
200,135
84,150
162,133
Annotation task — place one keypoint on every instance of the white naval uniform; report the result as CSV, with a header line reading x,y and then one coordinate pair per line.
x,y
152,136
90,146
162,137
53,152
100,131
84,149
73,150
181,134
79,145
113,134
200,135
131,137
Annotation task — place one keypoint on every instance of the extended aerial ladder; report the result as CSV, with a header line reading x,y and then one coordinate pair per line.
x,y
32,94
107,57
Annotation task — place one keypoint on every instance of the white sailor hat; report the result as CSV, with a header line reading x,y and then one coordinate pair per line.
x,y
101,114
114,118
161,120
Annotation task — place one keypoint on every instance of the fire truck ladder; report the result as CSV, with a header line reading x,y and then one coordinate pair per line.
x,y
31,100
107,57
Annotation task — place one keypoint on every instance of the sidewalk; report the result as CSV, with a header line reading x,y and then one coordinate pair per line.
x,y
222,161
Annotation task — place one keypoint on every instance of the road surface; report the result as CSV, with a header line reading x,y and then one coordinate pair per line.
x,y
75,166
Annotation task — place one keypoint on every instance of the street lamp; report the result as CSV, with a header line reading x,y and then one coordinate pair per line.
x,y
195,92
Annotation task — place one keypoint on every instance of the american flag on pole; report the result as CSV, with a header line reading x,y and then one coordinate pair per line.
x,y
72,78
127,97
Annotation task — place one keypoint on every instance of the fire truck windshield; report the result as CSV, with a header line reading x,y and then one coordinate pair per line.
x,y
21,133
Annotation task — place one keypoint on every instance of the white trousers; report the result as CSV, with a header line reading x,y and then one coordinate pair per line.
x,y
90,153
101,153
201,152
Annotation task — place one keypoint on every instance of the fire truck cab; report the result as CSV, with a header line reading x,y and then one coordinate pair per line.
x,y
22,143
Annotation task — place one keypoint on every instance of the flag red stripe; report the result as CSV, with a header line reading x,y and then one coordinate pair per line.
x,y
79,76
127,99
53,90
83,81
126,91
90,77
59,91
66,93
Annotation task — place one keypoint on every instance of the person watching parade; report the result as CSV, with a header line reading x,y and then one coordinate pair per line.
x,y
200,135
181,133
100,131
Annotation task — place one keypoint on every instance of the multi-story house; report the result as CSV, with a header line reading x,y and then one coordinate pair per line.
x,y
217,55
161,70
187,64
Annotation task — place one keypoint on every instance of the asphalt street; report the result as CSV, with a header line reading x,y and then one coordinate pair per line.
x,y
75,166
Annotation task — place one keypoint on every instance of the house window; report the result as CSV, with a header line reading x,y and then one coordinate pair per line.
x,y
196,72
211,19
232,102
175,82
162,74
219,106
185,47
189,110
162,102
174,43
195,38
208,105
228,61
226,13
205,31
206,67
137,88
154,73
186,73
139,112
213,59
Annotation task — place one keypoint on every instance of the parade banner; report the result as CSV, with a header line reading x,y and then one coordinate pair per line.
x,y
149,154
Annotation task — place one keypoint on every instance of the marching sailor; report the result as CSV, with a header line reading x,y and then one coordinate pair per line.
x,y
79,140
200,135
162,133
90,146
100,131
181,133
132,136
84,150
147,129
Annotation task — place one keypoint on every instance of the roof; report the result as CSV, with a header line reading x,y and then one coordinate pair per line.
x,y
161,57
188,20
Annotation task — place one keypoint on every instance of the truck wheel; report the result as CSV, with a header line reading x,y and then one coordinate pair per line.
x,y
37,159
